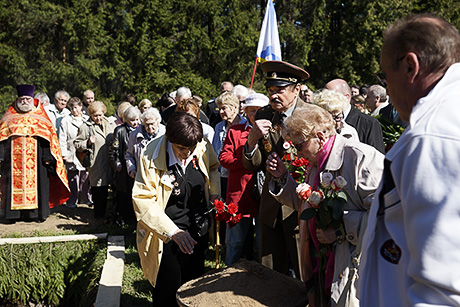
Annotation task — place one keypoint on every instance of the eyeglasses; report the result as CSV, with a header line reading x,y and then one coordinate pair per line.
x,y
299,146
337,117
381,76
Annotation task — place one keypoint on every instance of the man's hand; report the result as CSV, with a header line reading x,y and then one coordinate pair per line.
x,y
185,241
275,166
260,128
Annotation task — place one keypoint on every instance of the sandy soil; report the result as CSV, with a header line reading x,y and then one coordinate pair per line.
x,y
246,283
61,218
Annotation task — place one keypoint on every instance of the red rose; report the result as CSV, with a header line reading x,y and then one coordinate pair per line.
x,y
232,208
234,220
299,162
219,205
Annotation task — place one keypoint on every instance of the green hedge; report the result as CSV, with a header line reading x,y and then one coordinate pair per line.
x,y
64,273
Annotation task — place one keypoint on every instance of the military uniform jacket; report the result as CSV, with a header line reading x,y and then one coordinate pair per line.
x,y
269,206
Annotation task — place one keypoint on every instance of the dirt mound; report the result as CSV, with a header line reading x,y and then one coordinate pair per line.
x,y
246,283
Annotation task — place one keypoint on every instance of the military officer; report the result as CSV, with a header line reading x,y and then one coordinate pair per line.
x,y
278,223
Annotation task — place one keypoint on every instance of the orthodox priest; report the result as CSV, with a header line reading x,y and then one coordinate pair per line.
x,y
33,175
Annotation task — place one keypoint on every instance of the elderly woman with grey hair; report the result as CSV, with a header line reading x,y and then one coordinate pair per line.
x,y
117,150
335,103
93,136
312,131
149,129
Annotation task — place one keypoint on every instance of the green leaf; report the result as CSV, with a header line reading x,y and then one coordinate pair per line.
x,y
308,214
341,195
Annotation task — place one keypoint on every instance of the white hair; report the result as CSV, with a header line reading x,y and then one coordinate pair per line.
x,y
151,113
240,91
131,113
183,91
378,91
43,98
61,92
330,100
85,93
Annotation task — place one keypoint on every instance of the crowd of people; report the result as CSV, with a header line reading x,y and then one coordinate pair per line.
x,y
166,163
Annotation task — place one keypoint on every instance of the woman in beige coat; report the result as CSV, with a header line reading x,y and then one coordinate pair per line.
x,y
176,174
312,131
93,137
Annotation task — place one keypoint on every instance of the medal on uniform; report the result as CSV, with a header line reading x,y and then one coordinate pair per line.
x,y
267,145
172,177
176,184
194,163
176,192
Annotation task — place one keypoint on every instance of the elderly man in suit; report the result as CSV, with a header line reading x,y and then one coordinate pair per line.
x,y
278,223
368,128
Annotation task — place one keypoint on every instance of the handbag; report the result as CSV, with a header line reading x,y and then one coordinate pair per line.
x,y
348,296
84,158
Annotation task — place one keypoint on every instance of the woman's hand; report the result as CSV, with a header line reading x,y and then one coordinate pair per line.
x,y
275,166
326,236
185,241
92,140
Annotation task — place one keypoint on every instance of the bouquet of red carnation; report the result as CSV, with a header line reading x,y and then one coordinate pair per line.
x,y
298,169
228,213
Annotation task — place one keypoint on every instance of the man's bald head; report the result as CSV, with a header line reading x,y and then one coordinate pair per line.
x,y
340,86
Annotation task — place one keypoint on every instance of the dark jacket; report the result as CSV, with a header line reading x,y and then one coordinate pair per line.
x,y
368,128
117,151
269,206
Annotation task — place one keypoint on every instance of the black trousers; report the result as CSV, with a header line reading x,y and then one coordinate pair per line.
x,y
176,268
100,195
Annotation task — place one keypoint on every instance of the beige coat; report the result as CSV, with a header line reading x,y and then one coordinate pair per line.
x,y
100,172
362,166
151,192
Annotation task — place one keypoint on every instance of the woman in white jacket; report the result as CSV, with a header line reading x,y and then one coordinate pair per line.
x,y
76,173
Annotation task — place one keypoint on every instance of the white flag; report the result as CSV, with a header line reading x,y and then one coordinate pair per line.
x,y
269,43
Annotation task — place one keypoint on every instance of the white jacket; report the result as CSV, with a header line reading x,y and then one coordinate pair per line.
x,y
421,214
68,131
56,116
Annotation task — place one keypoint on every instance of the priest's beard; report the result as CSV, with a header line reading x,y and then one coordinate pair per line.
x,y
24,106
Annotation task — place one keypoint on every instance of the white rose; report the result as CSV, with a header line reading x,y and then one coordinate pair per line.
x,y
303,190
339,183
315,198
326,179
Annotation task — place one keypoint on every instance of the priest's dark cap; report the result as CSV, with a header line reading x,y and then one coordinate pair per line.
x,y
278,73
25,90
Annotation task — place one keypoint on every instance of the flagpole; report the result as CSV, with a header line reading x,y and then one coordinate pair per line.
x,y
254,72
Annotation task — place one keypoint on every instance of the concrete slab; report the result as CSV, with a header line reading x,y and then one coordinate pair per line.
x,y
109,292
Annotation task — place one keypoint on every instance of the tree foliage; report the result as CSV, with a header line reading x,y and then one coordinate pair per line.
x,y
151,47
